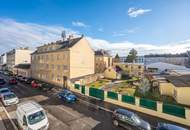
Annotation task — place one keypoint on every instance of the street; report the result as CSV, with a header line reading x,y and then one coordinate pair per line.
x,y
82,115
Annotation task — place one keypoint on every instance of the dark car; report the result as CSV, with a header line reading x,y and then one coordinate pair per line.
x,y
2,81
12,81
45,87
67,96
28,80
129,120
165,126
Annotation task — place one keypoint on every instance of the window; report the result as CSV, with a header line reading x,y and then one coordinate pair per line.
x,y
57,56
58,67
52,66
139,67
65,67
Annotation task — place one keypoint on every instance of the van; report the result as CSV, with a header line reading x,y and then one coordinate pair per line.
x,y
31,116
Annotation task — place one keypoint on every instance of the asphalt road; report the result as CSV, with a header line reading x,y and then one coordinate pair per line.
x,y
82,115
63,116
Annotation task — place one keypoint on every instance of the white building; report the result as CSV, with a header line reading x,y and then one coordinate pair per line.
x,y
3,61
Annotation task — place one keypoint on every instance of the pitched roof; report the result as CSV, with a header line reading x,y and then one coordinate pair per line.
x,y
23,66
102,53
63,44
179,81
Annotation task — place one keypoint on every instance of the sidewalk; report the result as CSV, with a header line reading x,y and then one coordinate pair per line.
x,y
2,126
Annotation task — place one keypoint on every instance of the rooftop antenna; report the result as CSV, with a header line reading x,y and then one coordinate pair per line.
x,y
63,35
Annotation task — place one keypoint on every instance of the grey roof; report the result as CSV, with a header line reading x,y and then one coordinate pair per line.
x,y
102,53
179,81
63,44
23,66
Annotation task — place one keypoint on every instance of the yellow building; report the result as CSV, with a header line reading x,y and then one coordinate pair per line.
x,y
18,56
132,69
176,86
102,61
61,61
23,70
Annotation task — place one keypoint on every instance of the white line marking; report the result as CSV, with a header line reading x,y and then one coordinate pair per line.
x,y
15,127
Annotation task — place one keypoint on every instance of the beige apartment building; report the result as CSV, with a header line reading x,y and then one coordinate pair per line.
x,y
18,56
102,61
23,70
61,61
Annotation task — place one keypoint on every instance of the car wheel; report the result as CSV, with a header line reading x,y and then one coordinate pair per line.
x,y
115,122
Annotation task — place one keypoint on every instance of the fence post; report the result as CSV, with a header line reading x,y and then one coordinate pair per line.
x,y
137,101
87,91
105,95
119,97
159,106
187,114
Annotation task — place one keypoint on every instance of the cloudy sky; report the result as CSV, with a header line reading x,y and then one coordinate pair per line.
x,y
150,26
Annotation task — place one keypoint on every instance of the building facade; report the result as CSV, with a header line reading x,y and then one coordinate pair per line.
x,y
3,61
23,70
61,61
132,69
18,56
102,61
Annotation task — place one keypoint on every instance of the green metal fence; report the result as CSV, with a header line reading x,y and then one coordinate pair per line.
x,y
174,110
150,104
98,93
112,95
128,99
77,86
83,89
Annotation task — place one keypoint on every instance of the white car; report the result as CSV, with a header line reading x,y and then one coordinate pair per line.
x,y
4,90
9,99
31,116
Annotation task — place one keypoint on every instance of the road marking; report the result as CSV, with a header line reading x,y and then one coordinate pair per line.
x,y
12,122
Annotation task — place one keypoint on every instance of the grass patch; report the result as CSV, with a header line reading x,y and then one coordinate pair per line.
x,y
98,84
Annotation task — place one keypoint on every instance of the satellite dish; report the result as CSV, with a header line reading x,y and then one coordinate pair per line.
x,y
63,35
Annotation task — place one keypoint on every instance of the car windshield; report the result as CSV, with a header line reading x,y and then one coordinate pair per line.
x,y
10,96
36,117
136,119
4,91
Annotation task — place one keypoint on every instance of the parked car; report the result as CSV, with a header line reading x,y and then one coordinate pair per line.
x,y
2,81
3,91
45,87
22,79
12,81
31,116
67,96
18,77
28,80
128,119
165,126
35,84
9,98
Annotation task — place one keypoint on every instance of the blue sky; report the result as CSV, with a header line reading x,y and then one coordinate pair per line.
x,y
145,23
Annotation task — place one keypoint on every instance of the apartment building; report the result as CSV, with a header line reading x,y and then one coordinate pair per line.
x,y
18,56
3,61
102,61
61,61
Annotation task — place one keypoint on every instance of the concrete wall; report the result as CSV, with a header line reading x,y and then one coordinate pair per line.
x,y
166,89
182,95
22,56
81,59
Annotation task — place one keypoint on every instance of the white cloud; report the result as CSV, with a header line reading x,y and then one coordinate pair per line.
x,y
79,24
100,29
134,12
15,34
